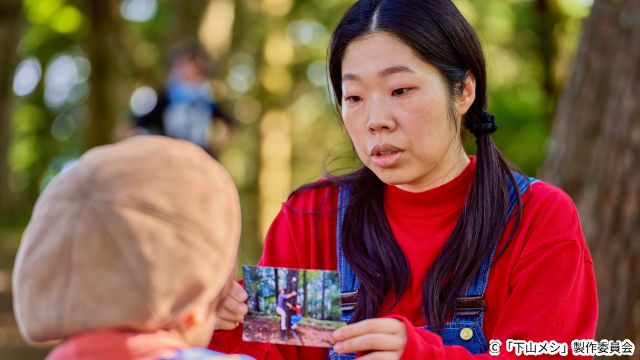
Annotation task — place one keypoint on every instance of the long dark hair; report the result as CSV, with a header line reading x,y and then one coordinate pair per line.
x,y
441,36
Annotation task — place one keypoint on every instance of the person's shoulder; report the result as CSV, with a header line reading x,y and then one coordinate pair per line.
x,y
318,196
549,198
550,219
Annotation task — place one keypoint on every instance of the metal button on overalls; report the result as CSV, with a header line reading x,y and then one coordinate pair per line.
x,y
466,333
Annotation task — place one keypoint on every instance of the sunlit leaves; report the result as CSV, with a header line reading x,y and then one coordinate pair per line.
x,y
60,17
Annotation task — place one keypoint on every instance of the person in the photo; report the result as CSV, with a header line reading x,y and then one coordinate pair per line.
x,y
296,314
438,252
318,298
281,309
118,262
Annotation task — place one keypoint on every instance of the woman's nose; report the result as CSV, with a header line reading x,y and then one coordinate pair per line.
x,y
380,117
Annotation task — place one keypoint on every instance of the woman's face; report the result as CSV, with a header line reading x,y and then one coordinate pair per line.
x,y
397,111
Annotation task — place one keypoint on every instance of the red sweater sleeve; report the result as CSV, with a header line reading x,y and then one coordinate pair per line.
x,y
552,291
297,238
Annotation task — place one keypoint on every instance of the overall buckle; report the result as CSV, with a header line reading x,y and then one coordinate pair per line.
x,y
348,300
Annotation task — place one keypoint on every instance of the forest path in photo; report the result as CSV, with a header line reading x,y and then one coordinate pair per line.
x,y
267,329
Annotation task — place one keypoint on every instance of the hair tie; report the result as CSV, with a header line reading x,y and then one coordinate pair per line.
x,y
486,125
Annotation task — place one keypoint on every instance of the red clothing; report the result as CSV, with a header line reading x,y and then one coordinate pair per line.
x,y
542,287
113,344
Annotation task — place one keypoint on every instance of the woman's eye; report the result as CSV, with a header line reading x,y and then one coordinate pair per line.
x,y
352,99
401,91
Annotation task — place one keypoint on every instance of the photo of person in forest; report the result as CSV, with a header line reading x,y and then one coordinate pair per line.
x,y
291,306
281,309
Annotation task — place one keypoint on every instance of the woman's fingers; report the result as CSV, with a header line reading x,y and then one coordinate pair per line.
x,y
370,342
371,335
238,292
225,325
232,309
381,355
384,325
236,316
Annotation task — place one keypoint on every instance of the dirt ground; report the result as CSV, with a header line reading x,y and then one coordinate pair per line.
x,y
267,329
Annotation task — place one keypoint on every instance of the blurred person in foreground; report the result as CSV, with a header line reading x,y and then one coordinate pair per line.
x,y
186,108
121,263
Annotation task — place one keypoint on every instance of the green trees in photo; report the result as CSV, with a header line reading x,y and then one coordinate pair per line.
x,y
318,292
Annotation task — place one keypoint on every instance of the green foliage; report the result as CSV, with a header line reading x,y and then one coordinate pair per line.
x,y
321,289
510,30
512,34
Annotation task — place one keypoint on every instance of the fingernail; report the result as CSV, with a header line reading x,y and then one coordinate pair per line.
x,y
337,347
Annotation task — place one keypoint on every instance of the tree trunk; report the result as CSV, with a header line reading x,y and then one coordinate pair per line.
x,y
595,156
102,99
256,308
324,287
547,18
304,298
291,285
10,28
275,276
187,19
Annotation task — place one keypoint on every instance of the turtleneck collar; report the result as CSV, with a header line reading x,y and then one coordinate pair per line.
x,y
442,199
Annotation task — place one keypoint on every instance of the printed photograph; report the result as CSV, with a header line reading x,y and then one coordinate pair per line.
x,y
291,306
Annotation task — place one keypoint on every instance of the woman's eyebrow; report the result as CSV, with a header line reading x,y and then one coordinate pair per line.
x,y
382,73
395,69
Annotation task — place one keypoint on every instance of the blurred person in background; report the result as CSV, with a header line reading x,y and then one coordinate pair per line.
x,y
186,108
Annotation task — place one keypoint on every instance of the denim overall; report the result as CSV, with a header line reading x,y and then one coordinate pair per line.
x,y
465,327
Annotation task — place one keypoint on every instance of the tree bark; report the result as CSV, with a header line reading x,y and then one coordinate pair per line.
x,y
324,287
187,19
276,287
11,22
547,18
102,99
304,299
595,157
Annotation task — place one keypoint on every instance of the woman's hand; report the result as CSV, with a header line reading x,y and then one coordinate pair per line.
x,y
232,308
384,338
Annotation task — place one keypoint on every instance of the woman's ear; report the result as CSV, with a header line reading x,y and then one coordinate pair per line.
x,y
467,95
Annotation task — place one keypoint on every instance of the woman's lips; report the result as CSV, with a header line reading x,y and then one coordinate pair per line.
x,y
385,155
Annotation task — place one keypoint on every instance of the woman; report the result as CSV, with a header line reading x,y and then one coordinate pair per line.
x,y
439,252
281,309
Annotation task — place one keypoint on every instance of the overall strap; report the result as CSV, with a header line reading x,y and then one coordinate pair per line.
x,y
348,282
473,301
466,326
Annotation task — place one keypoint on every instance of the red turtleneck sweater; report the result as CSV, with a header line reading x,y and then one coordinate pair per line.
x,y
541,288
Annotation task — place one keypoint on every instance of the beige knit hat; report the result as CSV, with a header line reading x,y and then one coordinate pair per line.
x,y
135,235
